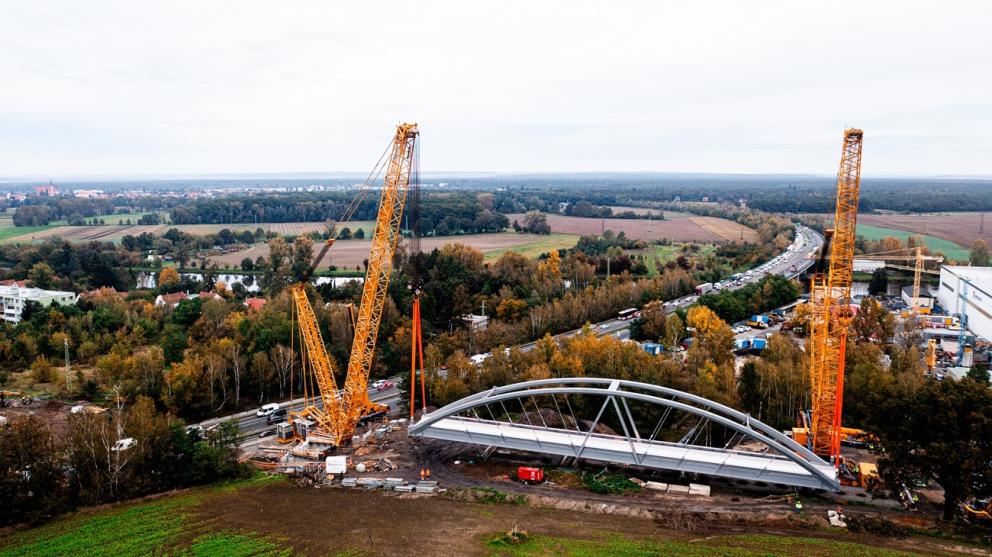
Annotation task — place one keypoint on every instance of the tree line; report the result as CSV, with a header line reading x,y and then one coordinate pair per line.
x,y
44,473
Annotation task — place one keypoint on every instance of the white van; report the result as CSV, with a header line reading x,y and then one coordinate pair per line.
x,y
267,409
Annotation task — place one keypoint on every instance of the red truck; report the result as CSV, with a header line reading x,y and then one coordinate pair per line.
x,y
530,475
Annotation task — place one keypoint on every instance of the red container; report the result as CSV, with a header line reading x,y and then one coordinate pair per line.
x,y
528,474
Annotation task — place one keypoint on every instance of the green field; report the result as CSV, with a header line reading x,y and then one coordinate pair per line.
x,y
936,245
191,523
668,253
163,526
115,217
12,231
553,241
8,230
709,546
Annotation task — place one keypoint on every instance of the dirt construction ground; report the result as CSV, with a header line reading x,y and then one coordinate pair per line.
x,y
334,520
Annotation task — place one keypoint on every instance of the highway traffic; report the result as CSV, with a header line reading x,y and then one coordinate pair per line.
x,y
799,257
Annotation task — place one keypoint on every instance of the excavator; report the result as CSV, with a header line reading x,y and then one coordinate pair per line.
x,y
330,417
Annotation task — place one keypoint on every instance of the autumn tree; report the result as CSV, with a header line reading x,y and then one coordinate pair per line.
x,y
42,371
42,275
979,255
31,475
710,358
651,324
873,323
168,279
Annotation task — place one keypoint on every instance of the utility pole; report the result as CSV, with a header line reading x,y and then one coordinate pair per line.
x,y
65,343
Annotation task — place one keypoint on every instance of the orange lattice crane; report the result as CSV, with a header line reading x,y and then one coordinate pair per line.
x,y
830,304
335,420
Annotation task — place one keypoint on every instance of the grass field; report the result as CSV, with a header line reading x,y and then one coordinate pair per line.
x,y
8,230
961,228
948,248
710,546
534,249
669,215
113,232
267,516
115,217
167,525
667,253
351,253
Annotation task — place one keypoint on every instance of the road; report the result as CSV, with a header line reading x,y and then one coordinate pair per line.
x,y
250,424
807,242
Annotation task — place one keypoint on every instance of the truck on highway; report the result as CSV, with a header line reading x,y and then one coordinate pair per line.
x,y
704,288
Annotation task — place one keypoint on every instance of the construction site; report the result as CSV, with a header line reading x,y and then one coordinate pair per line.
x,y
608,446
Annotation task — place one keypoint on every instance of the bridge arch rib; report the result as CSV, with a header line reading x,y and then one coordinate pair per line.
x,y
785,462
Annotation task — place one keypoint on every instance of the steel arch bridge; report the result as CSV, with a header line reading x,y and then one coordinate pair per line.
x,y
780,461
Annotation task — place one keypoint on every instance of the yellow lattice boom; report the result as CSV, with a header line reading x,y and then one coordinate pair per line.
x,y
830,299
387,232
329,417
340,414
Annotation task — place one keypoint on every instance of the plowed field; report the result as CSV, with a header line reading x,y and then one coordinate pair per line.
x,y
690,229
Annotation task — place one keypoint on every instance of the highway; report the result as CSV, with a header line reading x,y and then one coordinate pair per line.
x,y
790,264
808,241
250,424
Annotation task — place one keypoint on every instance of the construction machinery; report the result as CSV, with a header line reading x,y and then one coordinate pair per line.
x,y
830,305
334,420
918,268
931,354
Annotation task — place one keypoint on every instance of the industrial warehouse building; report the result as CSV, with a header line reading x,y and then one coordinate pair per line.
x,y
968,291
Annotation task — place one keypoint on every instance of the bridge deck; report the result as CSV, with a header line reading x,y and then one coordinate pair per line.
x,y
754,466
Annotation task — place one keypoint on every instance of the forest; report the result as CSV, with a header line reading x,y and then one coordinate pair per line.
x,y
441,213
771,193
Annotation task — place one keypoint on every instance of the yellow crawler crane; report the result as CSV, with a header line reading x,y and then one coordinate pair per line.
x,y
830,299
336,421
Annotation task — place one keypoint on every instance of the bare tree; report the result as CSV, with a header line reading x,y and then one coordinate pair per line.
x,y
282,358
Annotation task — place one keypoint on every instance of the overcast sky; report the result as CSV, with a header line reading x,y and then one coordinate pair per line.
x,y
137,87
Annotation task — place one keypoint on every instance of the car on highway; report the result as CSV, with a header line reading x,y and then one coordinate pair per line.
x,y
267,409
382,385
605,325
276,417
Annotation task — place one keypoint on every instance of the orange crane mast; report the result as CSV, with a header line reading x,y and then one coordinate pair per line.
x,y
387,232
341,412
830,299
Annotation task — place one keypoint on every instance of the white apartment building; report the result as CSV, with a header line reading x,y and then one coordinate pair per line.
x,y
13,298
